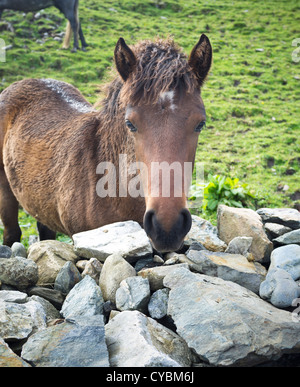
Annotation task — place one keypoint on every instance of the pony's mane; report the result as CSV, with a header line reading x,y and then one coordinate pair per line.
x,y
161,66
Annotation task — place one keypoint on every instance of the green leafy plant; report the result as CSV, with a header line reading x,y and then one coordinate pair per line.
x,y
225,190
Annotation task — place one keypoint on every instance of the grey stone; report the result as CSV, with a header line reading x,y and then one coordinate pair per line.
x,y
133,294
288,259
202,231
13,296
51,312
67,278
148,344
114,271
275,230
288,217
279,288
239,245
19,272
230,267
79,342
85,299
50,256
18,250
15,321
5,251
158,304
226,324
234,222
55,297
18,321
124,238
292,237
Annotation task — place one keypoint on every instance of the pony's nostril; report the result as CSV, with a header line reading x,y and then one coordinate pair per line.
x,y
149,222
186,221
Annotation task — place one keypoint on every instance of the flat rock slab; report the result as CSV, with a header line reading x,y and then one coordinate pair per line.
x,y
79,342
226,324
135,340
288,217
292,237
125,238
230,267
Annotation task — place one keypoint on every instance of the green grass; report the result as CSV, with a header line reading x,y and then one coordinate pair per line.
x,y
251,96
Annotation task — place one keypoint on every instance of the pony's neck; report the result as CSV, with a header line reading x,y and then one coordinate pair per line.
x,y
112,132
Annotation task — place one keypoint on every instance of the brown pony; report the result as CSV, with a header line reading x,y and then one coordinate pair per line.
x,y
53,141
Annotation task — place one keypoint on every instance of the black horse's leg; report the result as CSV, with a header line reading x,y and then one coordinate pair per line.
x,y
69,9
82,39
45,233
9,209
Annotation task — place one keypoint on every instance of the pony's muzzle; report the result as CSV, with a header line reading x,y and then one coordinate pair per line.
x,y
172,239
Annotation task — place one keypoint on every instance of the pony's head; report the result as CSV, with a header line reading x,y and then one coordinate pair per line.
x,y
164,113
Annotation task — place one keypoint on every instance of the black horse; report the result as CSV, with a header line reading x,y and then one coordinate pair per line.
x,y
68,7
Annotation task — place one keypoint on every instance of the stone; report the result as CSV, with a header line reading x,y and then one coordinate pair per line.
x,y
85,299
93,268
275,230
8,358
133,294
38,315
230,267
55,297
202,231
234,222
5,252
114,271
124,238
50,256
79,342
51,312
288,217
15,321
158,304
19,272
279,288
239,245
67,278
149,344
81,264
226,324
292,237
288,259
147,262
13,296
18,250
156,275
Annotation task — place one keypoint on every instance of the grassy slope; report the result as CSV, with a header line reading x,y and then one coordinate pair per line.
x,y
251,96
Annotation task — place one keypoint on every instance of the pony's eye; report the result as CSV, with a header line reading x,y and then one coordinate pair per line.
x,y
130,126
200,126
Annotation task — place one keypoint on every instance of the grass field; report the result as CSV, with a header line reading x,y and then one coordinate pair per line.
x,y
251,96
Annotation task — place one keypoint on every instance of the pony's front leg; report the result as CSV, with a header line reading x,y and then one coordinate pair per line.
x,y
9,210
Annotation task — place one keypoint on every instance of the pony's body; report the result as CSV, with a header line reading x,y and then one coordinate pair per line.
x,y
68,7
57,159
52,140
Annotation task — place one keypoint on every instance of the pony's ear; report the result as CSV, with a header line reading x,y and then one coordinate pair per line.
x,y
200,58
124,58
